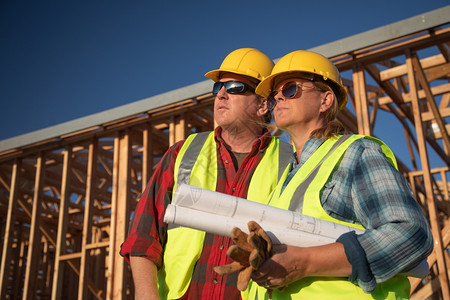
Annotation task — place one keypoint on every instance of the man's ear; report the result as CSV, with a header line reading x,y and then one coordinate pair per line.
x,y
327,101
262,107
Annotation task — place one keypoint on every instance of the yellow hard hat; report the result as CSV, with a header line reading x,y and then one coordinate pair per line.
x,y
305,62
245,61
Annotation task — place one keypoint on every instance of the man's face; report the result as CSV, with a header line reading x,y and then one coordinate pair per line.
x,y
231,111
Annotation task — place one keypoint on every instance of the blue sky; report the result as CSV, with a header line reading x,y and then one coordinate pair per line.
x,y
62,60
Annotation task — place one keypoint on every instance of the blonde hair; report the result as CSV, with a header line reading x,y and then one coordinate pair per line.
x,y
332,126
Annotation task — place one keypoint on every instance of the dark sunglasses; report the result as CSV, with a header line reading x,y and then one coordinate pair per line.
x,y
232,87
289,91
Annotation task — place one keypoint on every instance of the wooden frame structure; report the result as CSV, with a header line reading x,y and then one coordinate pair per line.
x,y
67,192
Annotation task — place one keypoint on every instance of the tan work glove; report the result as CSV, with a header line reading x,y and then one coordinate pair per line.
x,y
248,253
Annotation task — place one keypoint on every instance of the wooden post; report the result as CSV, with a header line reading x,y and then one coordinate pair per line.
x,y
19,256
434,222
87,221
362,109
110,275
147,156
445,190
431,102
9,229
117,279
60,247
177,129
35,233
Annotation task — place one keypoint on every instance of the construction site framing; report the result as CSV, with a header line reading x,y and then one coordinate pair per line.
x,y
67,192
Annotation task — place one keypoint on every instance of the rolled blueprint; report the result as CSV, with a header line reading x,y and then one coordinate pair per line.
x,y
219,204
223,225
219,213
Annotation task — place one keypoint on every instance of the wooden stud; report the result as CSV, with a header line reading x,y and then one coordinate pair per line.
x,y
147,156
87,220
9,229
121,216
62,225
112,236
35,233
431,103
362,109
443,276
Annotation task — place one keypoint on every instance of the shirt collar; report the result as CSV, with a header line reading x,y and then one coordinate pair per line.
x,y
260,145
310,147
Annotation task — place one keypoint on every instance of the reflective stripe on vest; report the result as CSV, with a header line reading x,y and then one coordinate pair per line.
x,y
196,164
307,184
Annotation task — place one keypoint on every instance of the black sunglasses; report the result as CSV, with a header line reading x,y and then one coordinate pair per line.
x,y
232,87
289,91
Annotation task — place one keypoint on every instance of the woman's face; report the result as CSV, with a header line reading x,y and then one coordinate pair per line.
x,y
301,110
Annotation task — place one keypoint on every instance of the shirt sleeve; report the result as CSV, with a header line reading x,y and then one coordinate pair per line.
x,y
147,232
397,236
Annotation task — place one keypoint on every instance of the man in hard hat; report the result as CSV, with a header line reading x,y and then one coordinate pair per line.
x,y
342,178
238,159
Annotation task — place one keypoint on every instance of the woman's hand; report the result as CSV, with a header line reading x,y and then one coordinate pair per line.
x,y
283,268
289,264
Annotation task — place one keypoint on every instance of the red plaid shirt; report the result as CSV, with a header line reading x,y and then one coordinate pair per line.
x,y
148,232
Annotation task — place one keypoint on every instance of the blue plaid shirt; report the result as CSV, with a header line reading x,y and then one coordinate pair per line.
x,y
366,189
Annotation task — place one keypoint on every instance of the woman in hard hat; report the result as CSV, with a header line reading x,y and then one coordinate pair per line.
x,y
347,179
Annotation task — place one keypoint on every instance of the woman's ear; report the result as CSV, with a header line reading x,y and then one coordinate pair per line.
x,y
327,101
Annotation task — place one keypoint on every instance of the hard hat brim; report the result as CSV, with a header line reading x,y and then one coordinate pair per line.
x,y
215,74
265,86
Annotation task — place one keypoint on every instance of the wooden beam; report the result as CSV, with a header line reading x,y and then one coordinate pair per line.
x,y
20,266
9,229
35,233
87,220
177,129
362,109
402,70
147,155
434,221
117,279
60,248
431,101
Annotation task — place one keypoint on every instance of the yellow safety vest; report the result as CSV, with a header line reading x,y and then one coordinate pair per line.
x,y
302,194
196,164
